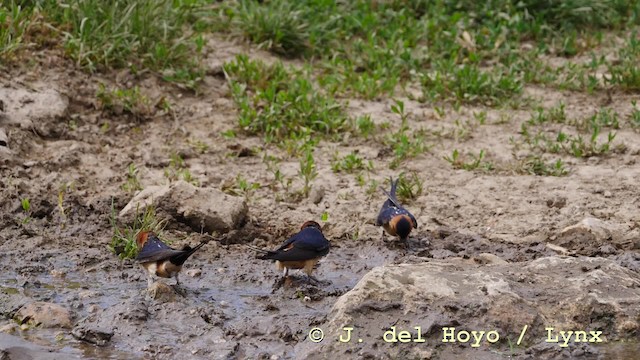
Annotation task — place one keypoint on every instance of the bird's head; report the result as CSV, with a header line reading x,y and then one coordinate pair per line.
x,y
142,237
312,224
403,226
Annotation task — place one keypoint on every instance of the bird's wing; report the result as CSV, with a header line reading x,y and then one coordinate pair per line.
x,y
154,250
389,212
309,243
293,254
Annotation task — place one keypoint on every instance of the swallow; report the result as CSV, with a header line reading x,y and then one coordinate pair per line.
x,y
301,251
158,259
393,217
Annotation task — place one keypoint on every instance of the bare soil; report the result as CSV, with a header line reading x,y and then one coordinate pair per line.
x,y
70,158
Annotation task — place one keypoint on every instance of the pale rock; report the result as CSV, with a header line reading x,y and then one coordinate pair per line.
x,y
45,314
205,209
162,292
194,272
565,292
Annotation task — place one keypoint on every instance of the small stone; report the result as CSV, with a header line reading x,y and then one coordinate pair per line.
x,y
44,314
487,258
316,194
92,335
58,274
9,328
162,292
558,249
608,194
194,272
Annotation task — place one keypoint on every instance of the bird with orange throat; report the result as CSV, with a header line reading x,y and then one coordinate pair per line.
x,y
301,251
393,217
159,259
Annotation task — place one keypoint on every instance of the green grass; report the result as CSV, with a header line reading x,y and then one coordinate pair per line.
x,y
158,35
279,27
123,240
15,22
282,104
372,49
121,33
409,187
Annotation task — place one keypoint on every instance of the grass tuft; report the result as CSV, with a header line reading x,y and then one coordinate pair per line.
x,y
123,240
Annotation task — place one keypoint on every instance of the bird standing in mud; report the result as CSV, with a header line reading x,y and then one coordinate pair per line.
x,y
301,251
393,217
158,259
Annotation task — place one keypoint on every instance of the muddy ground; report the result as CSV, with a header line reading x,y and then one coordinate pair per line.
x,y
70,158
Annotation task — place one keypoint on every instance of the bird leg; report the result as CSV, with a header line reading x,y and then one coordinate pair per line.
x,y
177,280
149,280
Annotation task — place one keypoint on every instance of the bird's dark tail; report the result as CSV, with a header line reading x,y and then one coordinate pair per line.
x,y
392,194
394,186
266,254
187,252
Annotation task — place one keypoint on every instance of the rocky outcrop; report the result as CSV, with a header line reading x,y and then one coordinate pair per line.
x,y
442,302
200,208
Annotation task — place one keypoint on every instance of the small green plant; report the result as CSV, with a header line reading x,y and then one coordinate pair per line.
x,y
535,165
372,187
242,187
198,145
132,183
365,125
26,208
605,117
481,117
123,240
307,170
477,161
62,190
350,163
177,170
405,142
555,114
130,101
634,118
409,187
